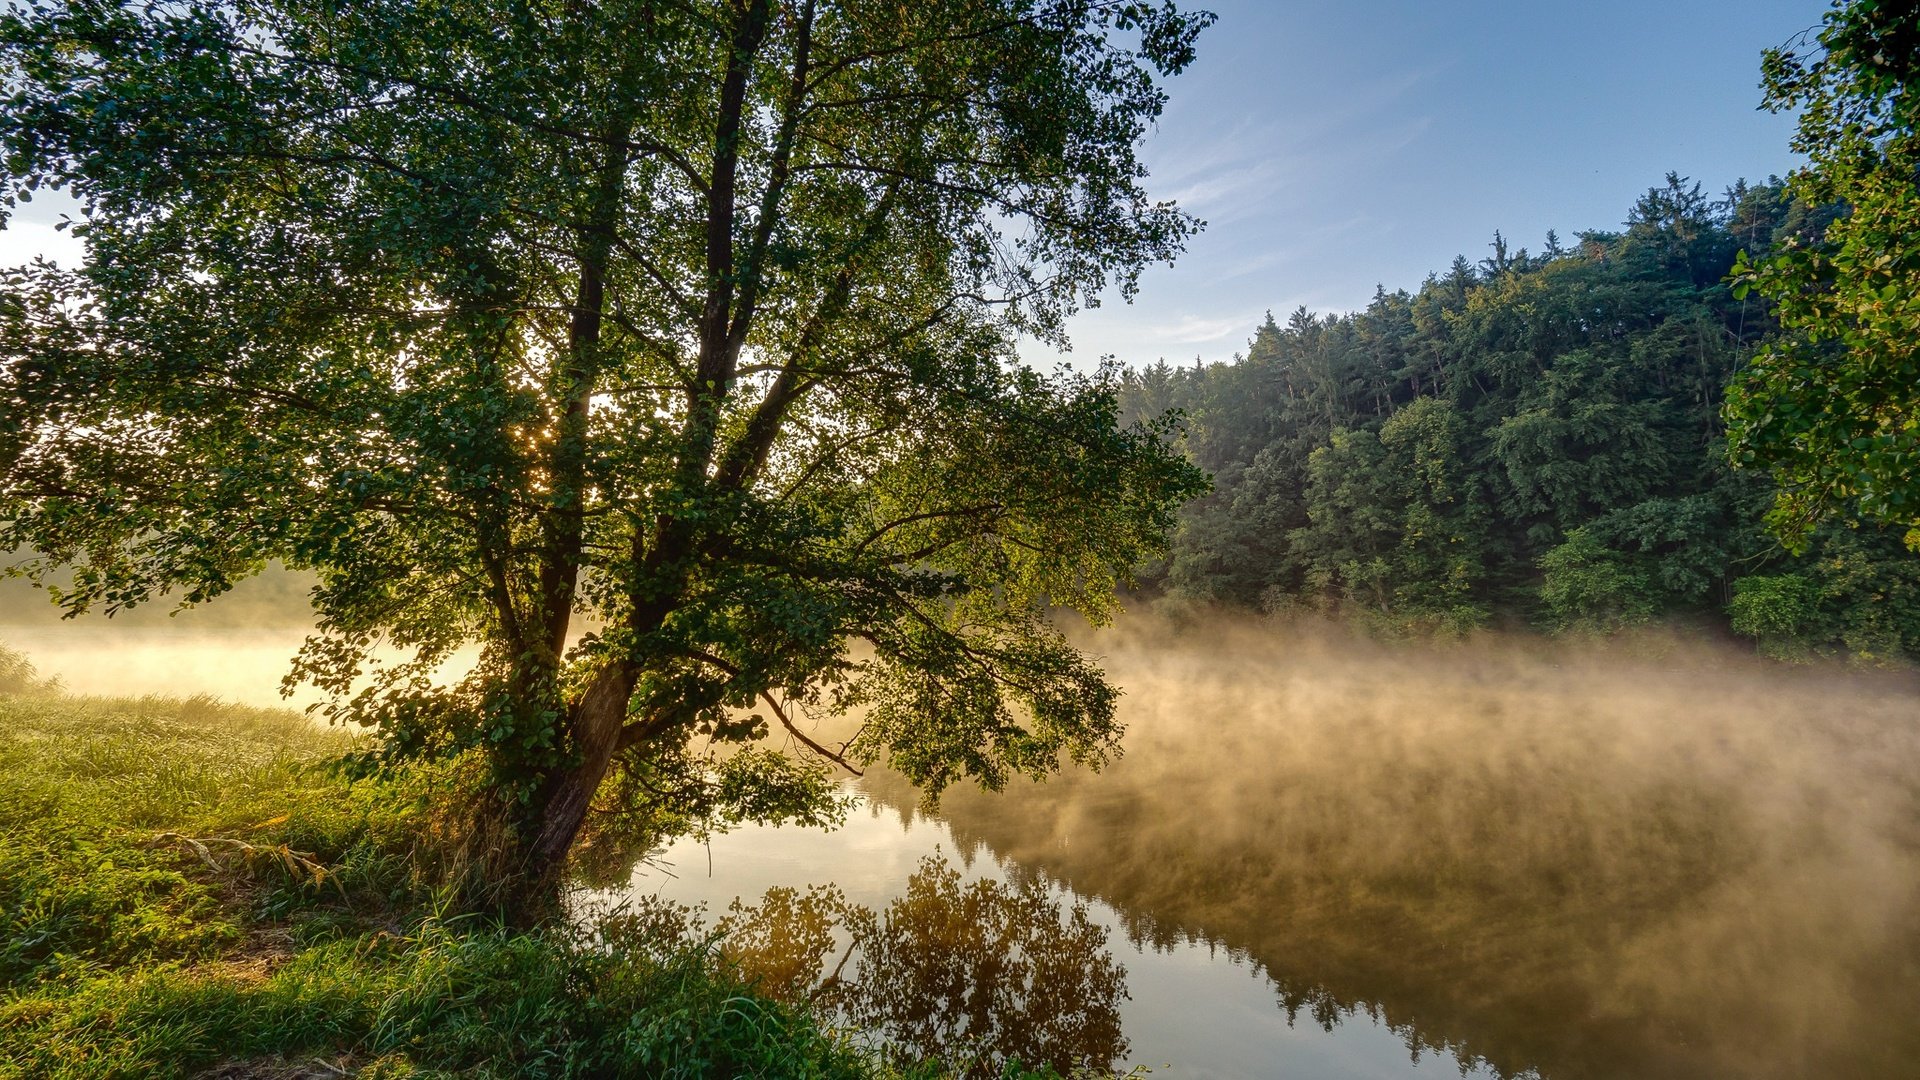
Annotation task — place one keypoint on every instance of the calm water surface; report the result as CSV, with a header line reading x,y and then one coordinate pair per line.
x,y
1185,1007
1323,858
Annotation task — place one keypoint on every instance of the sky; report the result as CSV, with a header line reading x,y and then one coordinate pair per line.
x,y
1336,145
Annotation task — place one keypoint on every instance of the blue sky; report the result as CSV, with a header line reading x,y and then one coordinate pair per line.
x,y
1333,145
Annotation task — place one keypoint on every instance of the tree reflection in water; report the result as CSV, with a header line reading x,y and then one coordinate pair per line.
x,y
1545,859
976,972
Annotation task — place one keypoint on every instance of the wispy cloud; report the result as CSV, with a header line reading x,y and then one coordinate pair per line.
x,y
1227,188
1232,171
1197,330
1221,273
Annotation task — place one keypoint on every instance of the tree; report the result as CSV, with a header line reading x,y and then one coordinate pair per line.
x,y
1832,406
660,351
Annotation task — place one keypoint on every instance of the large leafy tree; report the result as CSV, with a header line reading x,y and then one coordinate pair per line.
x,y
661,350
1832,406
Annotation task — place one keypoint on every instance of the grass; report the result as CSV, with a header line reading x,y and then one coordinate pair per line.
x,y
187,889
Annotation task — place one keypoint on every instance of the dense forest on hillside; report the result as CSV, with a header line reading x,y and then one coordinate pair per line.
x,y
1533,438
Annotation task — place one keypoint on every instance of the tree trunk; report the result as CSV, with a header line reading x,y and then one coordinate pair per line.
x,y
561,806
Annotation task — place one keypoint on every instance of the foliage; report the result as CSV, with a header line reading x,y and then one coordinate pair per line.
x,y
1862,594
1533,438
1410,540
659,352
1777,610
1832,406
122,954
1589,587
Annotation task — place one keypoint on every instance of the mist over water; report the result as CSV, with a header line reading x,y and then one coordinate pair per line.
x,y
1646,859
1650,858
237,647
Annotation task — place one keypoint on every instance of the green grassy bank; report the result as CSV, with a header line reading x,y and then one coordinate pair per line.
x,y
186,889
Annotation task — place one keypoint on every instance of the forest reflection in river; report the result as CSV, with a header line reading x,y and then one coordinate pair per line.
x,y
1646,860
1059,985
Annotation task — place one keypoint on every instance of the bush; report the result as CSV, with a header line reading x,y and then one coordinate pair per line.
x,y
18,675
1591,587
1857,592
1780,611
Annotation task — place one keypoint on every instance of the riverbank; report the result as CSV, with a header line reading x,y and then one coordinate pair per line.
x,y
187,889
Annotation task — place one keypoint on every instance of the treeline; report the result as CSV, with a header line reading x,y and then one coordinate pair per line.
x,y
1535,438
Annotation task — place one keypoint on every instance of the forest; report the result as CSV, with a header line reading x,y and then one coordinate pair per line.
x,y
630,409
1533,439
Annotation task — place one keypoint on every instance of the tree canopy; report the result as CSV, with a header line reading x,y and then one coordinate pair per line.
x,y
660,351
1534,439
1832,405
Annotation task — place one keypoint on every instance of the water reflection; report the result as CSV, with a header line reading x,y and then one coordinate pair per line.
x,y
1675,865
979,972
1523,861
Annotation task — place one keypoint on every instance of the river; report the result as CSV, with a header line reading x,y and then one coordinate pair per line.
x,y
1322,857
1327,857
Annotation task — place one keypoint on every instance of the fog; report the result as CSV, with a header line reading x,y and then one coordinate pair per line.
x,y
1644,858
237,647
1647,857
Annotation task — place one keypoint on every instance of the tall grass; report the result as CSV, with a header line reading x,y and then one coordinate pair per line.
x,y
187,888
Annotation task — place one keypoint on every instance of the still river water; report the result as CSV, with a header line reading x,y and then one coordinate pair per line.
x,y
1323,858
1182,1005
